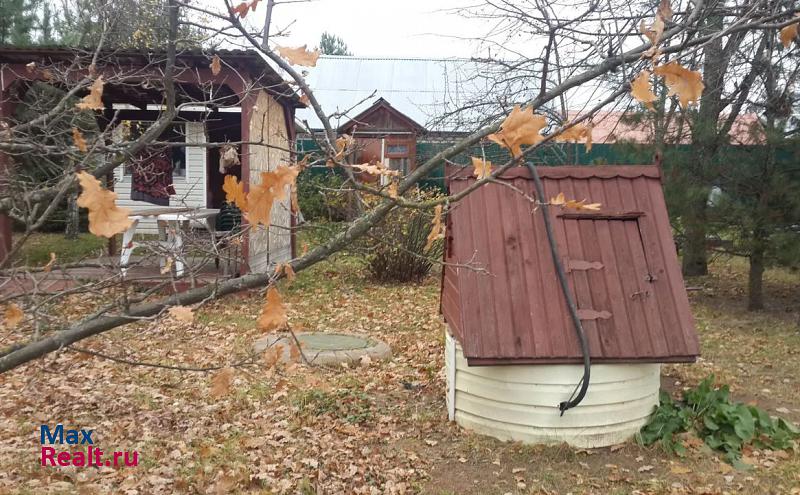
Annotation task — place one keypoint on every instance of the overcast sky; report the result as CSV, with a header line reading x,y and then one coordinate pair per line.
x,y
383,28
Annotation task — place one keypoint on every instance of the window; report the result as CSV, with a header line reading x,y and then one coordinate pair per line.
x,y
398,157
400,164
397,149
130,130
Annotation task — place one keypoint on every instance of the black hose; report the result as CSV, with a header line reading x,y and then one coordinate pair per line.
x,y
574,400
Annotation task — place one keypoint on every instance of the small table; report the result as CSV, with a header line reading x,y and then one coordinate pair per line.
x,y
174,218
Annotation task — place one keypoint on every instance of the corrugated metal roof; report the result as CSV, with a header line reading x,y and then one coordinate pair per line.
x,y
622,269
422,89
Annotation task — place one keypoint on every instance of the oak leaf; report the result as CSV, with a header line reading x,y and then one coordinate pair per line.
x,y
437,228
582,205
687,84
558,200
216,65
299,55
273,314
13,315
241,10
376,169
106,219
49,266
392,190
576,133
286,269
788,34
642,91
182,313
94,100
482,168
343,144
234,192
221,382
79,140
272,188
521,127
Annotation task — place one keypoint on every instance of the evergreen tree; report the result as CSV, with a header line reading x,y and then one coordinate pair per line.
x,y
330,44
18,20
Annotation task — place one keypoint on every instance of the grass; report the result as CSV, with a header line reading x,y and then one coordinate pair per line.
x,y
37,248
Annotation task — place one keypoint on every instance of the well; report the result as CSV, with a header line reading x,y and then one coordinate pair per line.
x,y
519,402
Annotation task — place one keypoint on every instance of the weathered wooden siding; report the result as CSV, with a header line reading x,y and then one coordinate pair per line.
x,y
190,190
268,123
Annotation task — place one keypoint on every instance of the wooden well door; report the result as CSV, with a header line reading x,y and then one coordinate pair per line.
x,y
613,285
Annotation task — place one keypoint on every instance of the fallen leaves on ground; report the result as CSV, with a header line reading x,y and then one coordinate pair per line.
x,y
13,315
182,313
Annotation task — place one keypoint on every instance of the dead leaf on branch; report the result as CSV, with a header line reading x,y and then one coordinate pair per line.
x,y
562,201
642,91
376,169
221,382
216,65
49,266
106,219
789,34
234,192
94,100
287,270
482,168
273,313
79,140
13,316
272,188
687,84
437,228
521,127
343,144
575,134
299,55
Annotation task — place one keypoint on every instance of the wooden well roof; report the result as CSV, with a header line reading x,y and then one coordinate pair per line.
x,y
500,294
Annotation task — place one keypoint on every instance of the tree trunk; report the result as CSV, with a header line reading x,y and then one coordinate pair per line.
x,y
73,217
695,256
755,293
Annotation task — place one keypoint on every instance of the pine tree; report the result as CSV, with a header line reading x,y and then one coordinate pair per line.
x,y
18,22
330,44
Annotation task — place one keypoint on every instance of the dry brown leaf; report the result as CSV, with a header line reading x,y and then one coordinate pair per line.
x,y
575,134
79,140
94,100
221,382
272,188
167,266
654,31
30,66
642,91
273,314
376,169
299,55
559,200
788,34
437,228
582,205
687,84
482,168
241,10
182,313
305,100
106,219
13,316
664,10
216,65
49,266
234,192
343,144
286,269
392,190
521,127
680,469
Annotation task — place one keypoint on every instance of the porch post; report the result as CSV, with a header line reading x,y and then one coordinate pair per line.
x,y
6,111
247,102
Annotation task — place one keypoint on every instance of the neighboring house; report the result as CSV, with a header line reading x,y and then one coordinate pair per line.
x,y
402,111
245,101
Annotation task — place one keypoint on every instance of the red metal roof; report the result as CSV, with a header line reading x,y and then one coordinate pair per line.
x,y
500,295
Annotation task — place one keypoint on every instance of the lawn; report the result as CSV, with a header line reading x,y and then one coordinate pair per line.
x,y
377,428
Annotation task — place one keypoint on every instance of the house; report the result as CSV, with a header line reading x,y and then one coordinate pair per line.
x,y
512,351
244,101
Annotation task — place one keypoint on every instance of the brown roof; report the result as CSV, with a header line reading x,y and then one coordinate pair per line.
x,y
621,262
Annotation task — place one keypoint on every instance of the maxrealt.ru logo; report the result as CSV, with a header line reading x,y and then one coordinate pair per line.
x,y
51,456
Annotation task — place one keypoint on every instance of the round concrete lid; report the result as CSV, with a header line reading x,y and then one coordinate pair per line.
x,y
326,348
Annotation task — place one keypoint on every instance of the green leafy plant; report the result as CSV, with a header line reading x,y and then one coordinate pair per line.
x,y
320,196
723,425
